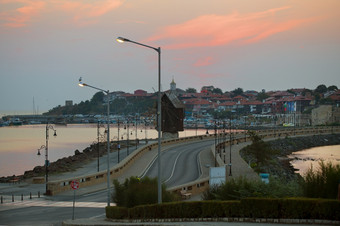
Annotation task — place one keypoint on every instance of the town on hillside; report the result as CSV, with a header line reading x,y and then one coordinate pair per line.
x,y
293,107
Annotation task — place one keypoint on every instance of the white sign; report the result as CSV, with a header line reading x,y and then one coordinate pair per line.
x,y
217,175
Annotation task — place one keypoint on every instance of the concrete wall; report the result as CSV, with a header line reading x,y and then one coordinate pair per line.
x,y
55,187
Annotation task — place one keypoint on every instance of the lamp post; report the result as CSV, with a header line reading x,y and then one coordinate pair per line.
x,y
158,50
118,143
47,163
230,144
81,84
99,135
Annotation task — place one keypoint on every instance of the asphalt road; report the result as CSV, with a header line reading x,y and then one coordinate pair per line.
x,y
54,210
180,163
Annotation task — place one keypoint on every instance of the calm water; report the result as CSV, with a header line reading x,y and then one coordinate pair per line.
x,y
311,157
19,145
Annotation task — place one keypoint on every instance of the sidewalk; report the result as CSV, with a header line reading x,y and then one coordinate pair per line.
x,y
208,222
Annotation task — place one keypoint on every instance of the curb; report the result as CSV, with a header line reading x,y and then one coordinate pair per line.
x,y
169,221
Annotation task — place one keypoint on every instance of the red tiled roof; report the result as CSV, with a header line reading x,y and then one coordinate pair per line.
x,y
228,104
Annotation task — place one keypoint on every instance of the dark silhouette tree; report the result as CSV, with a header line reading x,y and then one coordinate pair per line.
x,y
191,90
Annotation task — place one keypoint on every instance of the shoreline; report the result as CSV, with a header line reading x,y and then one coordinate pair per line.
x,y
67,164
280,164
281,168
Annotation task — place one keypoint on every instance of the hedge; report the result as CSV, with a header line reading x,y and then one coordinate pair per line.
x,y
288,208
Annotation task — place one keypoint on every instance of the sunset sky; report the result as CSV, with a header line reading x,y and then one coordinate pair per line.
x,y
46,45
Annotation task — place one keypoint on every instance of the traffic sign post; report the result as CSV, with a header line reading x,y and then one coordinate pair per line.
x,y
74,186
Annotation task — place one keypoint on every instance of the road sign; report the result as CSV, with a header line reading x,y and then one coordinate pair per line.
x,y
75,185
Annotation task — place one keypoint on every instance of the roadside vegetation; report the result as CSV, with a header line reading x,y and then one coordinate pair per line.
x,y
239,188
135,191
319,182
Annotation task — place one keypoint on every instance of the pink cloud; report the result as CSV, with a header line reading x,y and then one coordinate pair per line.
x,y
82,13
21,16
86,13
217,30
204,61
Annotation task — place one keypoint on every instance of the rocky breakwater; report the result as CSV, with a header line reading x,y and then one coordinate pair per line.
x,y
279,164
65,164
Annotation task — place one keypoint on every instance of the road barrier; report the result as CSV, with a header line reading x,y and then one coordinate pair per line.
x,y
55,187
13,198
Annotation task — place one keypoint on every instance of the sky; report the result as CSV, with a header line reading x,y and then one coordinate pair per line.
x,y
46,45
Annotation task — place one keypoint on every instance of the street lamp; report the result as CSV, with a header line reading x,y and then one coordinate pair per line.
x,y
99,135
158,50
81,84
47,163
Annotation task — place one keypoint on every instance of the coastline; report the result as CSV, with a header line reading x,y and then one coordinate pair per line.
x,y
280,164
67,164
280,167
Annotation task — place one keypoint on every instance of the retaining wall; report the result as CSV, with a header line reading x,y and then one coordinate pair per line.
x,y
196,187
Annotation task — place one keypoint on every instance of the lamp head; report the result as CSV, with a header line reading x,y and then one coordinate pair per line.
x,y
55,133
121,39
38,152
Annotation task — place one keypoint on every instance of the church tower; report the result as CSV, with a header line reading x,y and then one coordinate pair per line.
x,y
173,86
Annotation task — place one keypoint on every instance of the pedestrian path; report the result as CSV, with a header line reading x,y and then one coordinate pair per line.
x,y
49,203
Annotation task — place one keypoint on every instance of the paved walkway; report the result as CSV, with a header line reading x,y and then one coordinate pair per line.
x,y
102,221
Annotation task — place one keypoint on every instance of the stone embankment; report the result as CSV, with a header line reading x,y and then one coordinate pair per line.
x,y
279,165
67,164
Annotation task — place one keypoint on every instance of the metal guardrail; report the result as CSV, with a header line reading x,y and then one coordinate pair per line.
x,y
56,187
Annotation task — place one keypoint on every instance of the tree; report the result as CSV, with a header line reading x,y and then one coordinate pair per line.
x,y
191,90
238,91
260,150
217,91
321,89
97,98
332,88
262,96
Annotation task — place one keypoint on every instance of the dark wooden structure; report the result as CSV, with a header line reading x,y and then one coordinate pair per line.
x,y
172,113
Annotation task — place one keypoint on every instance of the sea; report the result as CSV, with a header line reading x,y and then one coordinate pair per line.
x,y
311,158
19,144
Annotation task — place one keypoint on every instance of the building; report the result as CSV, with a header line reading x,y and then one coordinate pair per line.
x,y
172,115
325,115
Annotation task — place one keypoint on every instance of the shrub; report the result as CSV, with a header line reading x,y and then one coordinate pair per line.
x,y
236,189
322,183
135,191
292,208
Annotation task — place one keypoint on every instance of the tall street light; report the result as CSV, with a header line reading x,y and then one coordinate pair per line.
x,y
158,50
47,163
81,84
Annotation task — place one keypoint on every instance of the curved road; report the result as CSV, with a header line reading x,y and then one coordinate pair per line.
x,y
180,163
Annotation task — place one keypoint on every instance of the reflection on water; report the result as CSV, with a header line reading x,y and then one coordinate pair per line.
x,y
19,145
303,160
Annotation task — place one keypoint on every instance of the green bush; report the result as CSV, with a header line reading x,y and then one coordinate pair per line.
x,y
260,208
304,208
115,212
292,208
322,183
236,189
135,191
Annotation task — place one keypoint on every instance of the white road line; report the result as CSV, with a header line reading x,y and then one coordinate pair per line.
x,y
173,168
48,203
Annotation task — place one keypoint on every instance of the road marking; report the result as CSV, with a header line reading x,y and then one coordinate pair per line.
x,y
49,203
173,168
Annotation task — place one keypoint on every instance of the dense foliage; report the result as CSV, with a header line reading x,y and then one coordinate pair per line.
x,y
96,106
260,152
135,191
323,182
239,188
296,208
